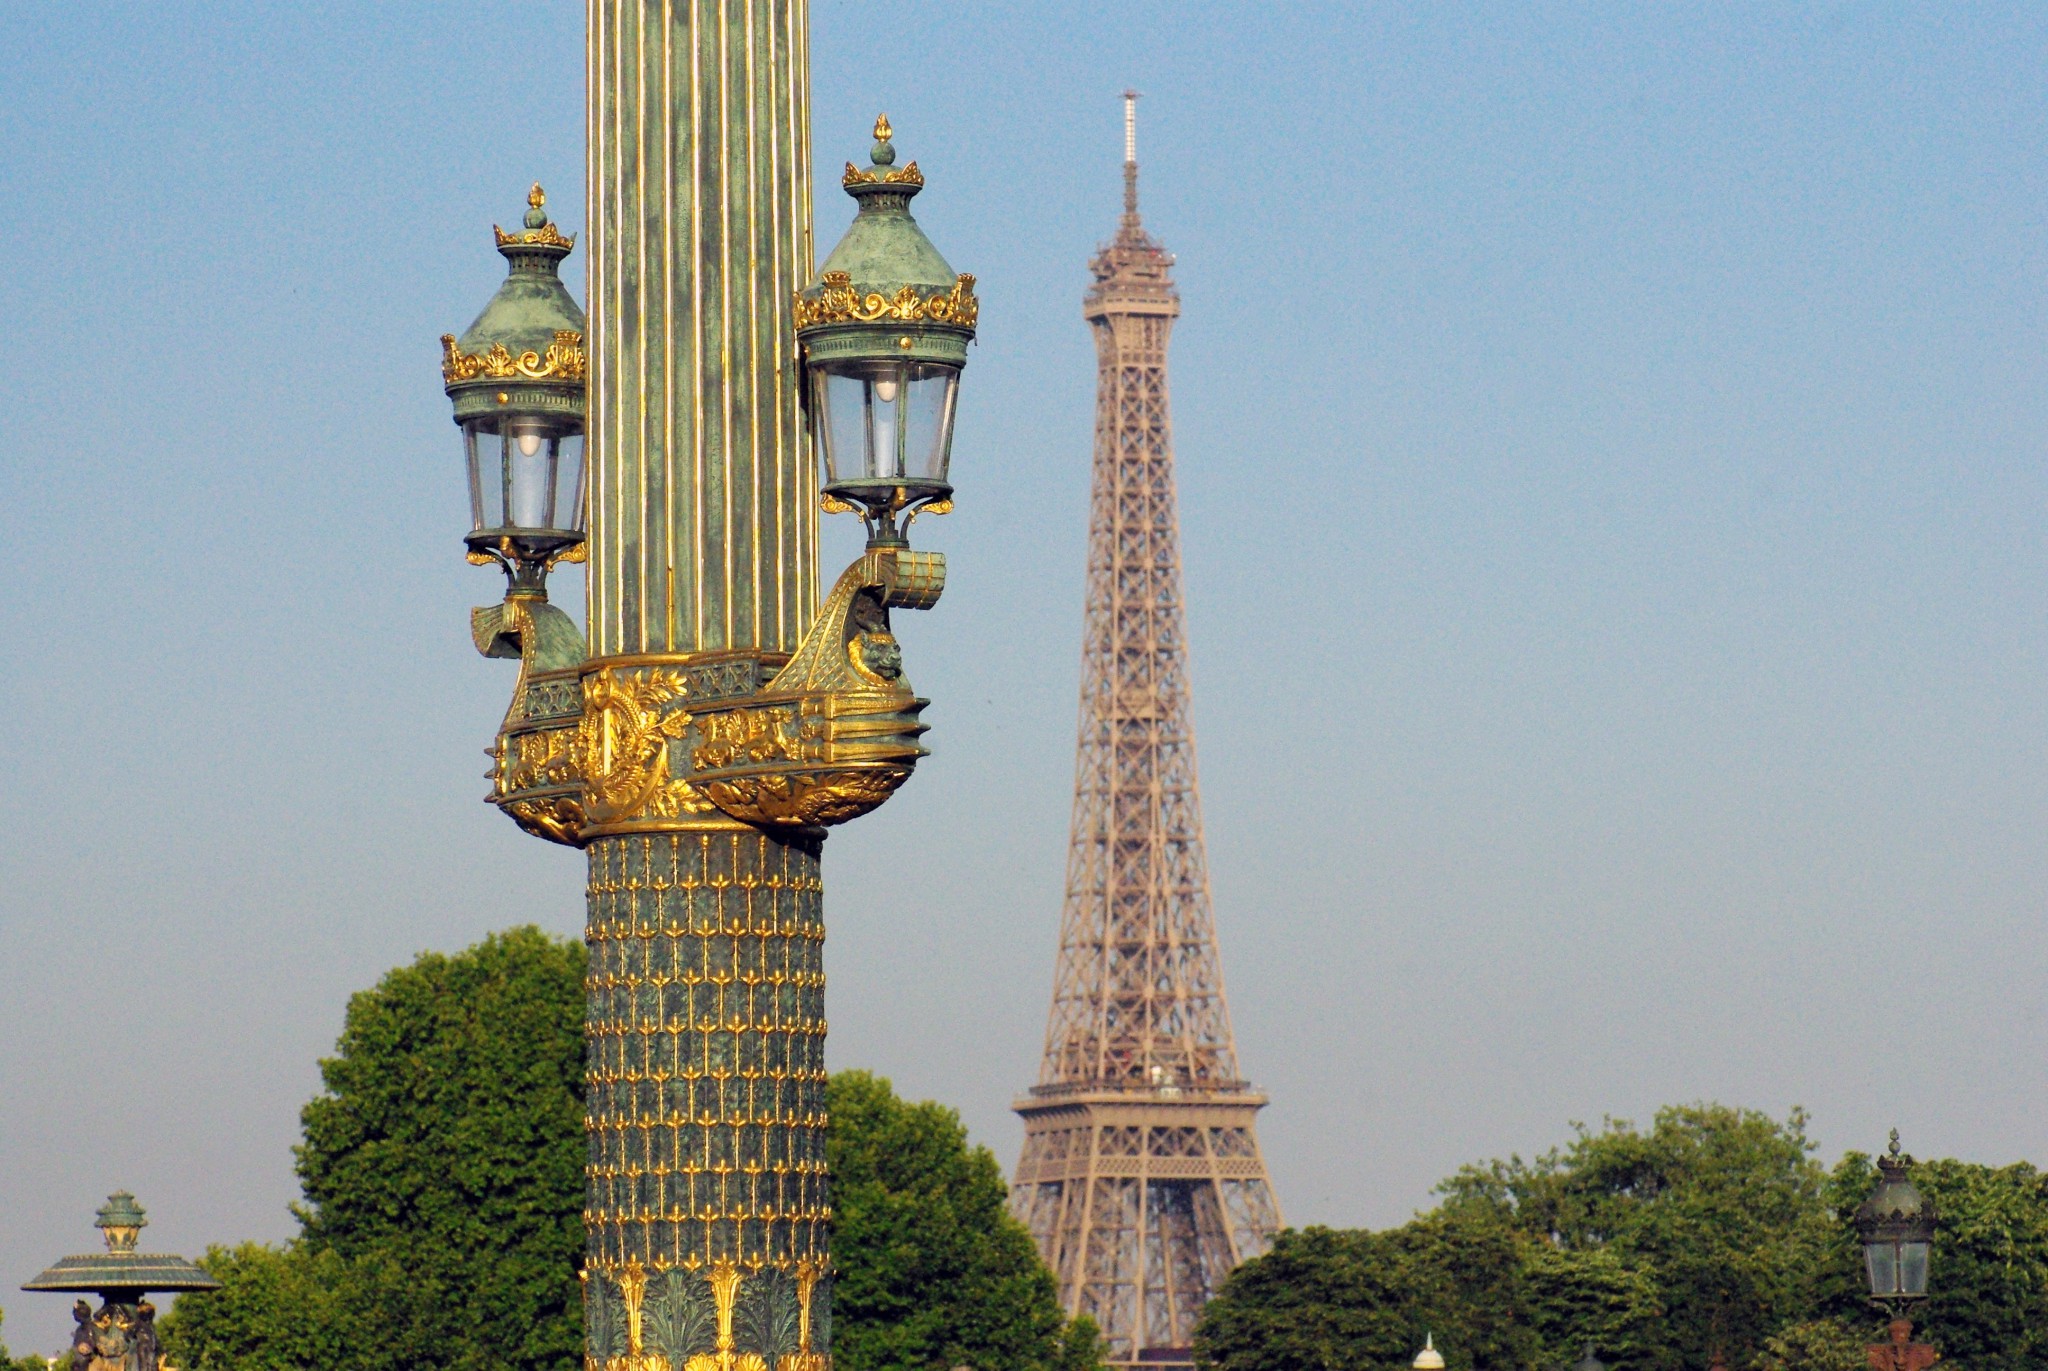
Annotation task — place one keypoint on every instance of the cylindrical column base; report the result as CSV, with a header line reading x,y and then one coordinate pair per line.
x,y
707,1214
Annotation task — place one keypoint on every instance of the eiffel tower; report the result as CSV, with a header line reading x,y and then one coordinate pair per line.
x,y
1141,1179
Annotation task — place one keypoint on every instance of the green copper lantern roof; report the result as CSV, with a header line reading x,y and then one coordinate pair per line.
x,y
528,343
885,290
1896,1208
121,1269
884,246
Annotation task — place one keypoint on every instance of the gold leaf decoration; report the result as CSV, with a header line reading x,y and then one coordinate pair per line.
x,y
883,176
546,236
564,361
837,302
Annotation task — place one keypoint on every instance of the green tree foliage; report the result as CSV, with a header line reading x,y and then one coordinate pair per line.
x,y
450,1141
1713,1228
443,1174
1575,1297
1326,1300
278,1308
1817,1345
1721,1209
1320,1300
932,1271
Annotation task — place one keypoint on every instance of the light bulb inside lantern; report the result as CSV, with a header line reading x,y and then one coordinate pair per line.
x,y
885,389
529,442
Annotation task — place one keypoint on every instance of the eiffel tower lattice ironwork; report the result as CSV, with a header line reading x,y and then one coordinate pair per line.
x,y
1141,1179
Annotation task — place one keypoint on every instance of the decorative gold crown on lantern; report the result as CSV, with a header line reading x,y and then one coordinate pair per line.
x,y
882,174
565,360
894,176
541,235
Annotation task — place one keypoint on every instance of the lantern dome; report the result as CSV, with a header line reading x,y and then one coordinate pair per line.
x,y
885,287
525,350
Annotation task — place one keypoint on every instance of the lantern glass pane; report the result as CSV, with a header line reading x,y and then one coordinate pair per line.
x,y
480,449
1913,1268
842,421
1883,1260
883,420
928,429
525,473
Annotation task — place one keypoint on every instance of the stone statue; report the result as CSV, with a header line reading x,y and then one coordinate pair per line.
x,y
120,1337
145,1337
81,1336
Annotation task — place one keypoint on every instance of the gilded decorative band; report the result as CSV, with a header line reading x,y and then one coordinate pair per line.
x,y
564,361
838,302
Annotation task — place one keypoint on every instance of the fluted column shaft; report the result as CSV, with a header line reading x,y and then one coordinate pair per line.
x,y
703,512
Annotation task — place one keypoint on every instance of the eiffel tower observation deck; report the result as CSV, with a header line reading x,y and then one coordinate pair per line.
x,y
1141,1180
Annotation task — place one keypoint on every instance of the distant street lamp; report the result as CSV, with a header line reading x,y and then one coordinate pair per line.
x,y
1896,1225
1428,1359
1589,1362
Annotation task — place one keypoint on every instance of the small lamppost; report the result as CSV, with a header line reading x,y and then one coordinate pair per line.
x,y
1896,1226
1428,1359
1589,1362
884,333
516,379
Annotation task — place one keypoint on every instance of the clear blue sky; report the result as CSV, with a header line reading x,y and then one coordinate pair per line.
x,y
1611,454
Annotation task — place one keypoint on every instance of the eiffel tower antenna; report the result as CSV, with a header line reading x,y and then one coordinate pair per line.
x,y
1141,1180
1131,156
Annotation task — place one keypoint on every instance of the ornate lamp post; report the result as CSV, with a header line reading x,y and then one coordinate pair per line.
x,y
1896,1225
516,378
720,716
121,1334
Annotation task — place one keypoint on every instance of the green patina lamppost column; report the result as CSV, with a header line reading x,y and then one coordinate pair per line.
x,y
719,717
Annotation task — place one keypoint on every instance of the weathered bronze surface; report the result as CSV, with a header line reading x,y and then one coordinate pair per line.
x,y
720,717
121,1334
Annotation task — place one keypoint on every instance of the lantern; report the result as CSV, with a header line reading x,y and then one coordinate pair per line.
x,y
884,333
516,380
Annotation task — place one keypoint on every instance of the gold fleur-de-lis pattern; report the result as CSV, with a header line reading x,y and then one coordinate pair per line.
x,y
706,1043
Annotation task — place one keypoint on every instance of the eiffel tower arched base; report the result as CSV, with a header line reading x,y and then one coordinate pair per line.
x,y
1142,1201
